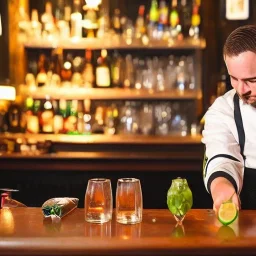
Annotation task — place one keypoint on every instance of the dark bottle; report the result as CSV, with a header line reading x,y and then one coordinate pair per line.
x,y
103,71
41,78
67,69
47,116
3,117
15,116
185,16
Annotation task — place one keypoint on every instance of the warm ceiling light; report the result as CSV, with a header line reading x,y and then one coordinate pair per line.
x,y
7,92
92,4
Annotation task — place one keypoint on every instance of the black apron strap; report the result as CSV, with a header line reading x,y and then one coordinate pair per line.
x,y
239,124
248,193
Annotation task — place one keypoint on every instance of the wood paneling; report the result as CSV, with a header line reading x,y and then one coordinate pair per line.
x,y
17,67
4,58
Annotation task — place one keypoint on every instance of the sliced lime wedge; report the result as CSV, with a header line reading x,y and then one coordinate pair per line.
x,y
227,213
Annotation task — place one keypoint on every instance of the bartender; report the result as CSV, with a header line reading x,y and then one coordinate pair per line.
x,y
229,134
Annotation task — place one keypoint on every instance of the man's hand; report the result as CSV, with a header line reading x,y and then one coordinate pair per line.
x,y
222,190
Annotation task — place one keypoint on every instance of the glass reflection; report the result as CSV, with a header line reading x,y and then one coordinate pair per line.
x,y
178,231
128,231
226,233
97,230
7,224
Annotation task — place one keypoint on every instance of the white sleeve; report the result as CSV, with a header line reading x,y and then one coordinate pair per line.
x,y
222,155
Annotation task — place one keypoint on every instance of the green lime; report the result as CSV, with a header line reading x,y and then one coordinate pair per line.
x,y
227,213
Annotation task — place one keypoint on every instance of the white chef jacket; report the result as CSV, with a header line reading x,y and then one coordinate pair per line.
x,y
220,136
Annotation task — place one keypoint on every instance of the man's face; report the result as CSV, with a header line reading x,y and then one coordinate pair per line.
x,y
242,71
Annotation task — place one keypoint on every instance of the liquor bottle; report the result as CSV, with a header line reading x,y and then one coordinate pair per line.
x,y
88,72
129,72
87,117
98,125
77,80
61,23
31,113
140,28
64,106
58,118
103,71
163,13
41,77
15,116
71,122
194,30
47,116
116,22
67,69
104,23
175,27
153,19
111,120
80,118
91,24
48,22
153,12
117,70
185,16
76,20
54,71
23,25
36,26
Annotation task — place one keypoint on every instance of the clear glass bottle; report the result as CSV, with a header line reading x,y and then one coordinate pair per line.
x,y
76,20
36,26
88,70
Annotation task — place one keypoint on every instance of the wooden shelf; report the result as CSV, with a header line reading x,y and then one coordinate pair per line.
x,y
106,139
116,42
107,93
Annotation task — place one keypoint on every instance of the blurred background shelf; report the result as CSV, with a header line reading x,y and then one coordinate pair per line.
x,y
105,139
109,93
116,43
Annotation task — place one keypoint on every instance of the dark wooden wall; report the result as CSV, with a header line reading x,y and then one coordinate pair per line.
x,y
4,49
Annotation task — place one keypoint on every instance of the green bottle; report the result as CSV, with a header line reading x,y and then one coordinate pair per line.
x,y
153,12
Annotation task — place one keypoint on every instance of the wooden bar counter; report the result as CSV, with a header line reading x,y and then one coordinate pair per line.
x,y
23,231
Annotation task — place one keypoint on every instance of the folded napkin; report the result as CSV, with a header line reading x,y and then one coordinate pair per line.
x,y
59,207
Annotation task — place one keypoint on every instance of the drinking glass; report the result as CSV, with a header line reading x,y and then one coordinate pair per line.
x,y
179,199
98,203
129,203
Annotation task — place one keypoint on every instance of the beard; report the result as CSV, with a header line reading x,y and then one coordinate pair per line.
x,y
249,99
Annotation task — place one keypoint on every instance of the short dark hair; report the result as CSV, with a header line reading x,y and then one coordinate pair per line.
x,y
242,39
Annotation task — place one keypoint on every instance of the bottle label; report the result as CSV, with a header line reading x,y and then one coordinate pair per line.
x,y
102,77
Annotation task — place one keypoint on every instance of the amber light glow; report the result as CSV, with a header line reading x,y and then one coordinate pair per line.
x,y
92,4
7,92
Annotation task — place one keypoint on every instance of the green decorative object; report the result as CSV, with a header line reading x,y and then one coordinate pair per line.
x,y
179,199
